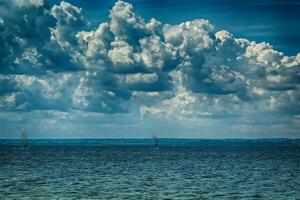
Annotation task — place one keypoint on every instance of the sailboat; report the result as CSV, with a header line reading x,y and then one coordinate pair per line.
x,y
155,142
24,141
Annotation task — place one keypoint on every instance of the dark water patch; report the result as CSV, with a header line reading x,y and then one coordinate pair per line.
x,y
136,172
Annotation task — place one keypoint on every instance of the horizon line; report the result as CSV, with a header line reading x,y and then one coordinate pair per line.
x,y
142,138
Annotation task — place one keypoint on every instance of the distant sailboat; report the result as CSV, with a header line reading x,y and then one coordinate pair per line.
x,y
155,141
24,141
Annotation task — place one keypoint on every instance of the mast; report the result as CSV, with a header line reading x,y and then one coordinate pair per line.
x,y
24,142
155,141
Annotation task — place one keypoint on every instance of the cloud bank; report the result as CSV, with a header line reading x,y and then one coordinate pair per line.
x,y
51,59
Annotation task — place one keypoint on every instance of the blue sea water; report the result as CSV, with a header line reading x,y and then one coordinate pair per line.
x,y
142,172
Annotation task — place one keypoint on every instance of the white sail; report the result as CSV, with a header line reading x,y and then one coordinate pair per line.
x,y
24,136
155,141
24,142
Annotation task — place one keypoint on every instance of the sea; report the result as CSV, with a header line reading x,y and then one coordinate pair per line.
x,y
134,169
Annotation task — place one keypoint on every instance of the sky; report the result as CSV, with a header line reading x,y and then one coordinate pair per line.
x,y
124,69
272,21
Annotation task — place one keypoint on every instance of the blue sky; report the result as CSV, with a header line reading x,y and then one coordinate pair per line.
x,y
192,69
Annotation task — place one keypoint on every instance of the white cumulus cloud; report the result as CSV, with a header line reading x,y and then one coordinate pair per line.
x,y
51,59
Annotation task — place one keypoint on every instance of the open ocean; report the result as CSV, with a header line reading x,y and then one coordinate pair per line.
x,y
99,169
